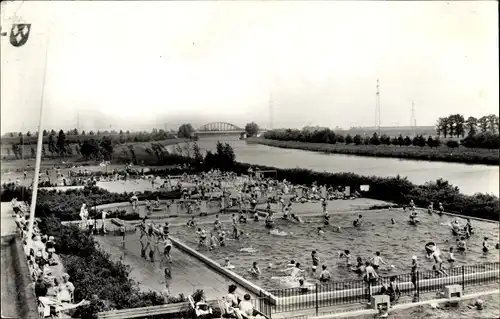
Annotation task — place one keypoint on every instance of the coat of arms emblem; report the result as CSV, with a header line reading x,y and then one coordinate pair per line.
x,y
19,34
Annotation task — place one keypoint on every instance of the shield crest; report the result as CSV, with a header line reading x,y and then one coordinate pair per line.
x,y
19,34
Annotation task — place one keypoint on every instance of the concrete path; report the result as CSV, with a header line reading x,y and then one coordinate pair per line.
x,y
188,273
10,306
8,226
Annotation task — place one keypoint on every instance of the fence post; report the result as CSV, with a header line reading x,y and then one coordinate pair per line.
x,y
317,306
417,284
463,277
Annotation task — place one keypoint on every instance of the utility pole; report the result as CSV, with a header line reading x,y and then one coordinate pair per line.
x,y
413,121
271,111
377,108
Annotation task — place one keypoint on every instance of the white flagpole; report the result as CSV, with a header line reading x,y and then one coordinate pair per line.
x,y
38,150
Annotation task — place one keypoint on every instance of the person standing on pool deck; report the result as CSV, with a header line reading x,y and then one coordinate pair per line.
x,y
485,245
414,268
167,246
122,233
103,218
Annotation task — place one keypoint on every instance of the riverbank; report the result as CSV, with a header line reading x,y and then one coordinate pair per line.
x,y
426,153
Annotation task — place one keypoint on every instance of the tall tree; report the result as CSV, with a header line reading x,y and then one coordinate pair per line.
x,y
106,147
52,144
61,143
493,123
185,131
252,129
483,123
471,125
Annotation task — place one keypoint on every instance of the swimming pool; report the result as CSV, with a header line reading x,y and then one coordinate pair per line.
x,y
397,243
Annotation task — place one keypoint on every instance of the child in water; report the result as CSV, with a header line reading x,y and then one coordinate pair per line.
x,y
485,245
357,222
451,258
347,255
315,260
255,270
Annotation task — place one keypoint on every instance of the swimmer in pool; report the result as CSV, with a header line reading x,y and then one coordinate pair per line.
x,y
393,221
376,261
255,216
320,231
290,266
296,219
227,264
214,242
347,255
360,266
357,222
327,218
430,209
451,258
202,237
255,270
297,272
222,238
191,223
315,260
217,223
485,245
461,244
242,219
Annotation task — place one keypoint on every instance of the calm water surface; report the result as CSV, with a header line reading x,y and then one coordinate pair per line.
x,y
470,179
397,243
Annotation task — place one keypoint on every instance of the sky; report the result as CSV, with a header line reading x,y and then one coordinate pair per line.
x,y
140,64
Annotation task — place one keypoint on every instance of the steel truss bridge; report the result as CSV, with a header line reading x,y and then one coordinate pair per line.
x,y
222,128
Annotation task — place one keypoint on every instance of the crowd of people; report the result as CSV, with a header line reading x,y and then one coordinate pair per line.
x,y
53,288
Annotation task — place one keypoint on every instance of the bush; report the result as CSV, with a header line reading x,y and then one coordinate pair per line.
x,y
452,144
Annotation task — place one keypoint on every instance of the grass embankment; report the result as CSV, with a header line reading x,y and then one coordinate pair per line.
x,y
120,150
440,154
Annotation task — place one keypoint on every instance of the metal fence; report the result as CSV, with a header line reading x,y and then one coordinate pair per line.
x,y
359,291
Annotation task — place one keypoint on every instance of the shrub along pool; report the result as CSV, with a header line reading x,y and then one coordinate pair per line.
x,y
397,243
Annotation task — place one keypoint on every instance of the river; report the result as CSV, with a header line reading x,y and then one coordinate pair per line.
x,y
469,179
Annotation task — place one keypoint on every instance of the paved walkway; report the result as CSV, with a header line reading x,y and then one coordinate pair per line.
x,y
10,306
8,226
188,273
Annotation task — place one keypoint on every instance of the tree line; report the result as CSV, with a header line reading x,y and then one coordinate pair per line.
x,y
455,125
327,136
76,136
58,146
